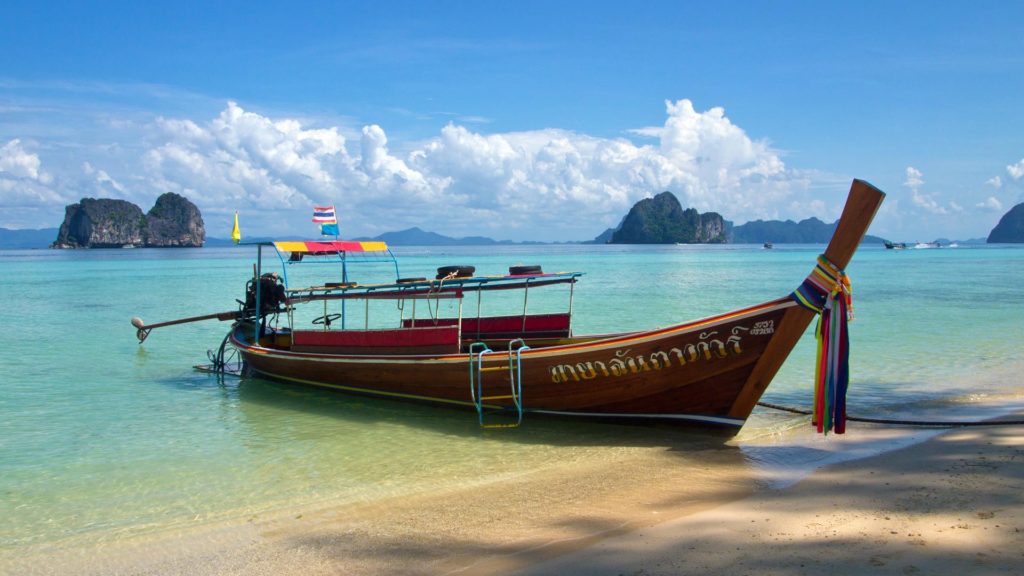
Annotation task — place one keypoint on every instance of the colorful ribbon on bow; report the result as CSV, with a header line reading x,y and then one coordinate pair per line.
x,y
828,293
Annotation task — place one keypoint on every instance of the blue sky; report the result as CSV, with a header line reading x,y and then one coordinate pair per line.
x,y
515,120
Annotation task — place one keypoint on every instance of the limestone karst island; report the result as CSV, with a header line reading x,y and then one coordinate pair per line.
x,y
173,222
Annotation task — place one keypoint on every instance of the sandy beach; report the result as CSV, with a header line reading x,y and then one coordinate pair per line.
x,y
952,504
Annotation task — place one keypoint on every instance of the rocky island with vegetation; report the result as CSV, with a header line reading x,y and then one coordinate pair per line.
x,y
174,221
662,220
1010,229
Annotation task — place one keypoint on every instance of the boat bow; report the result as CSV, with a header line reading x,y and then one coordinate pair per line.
x,y
861,205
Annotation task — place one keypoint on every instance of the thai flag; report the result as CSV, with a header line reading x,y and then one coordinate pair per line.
x,y
324,215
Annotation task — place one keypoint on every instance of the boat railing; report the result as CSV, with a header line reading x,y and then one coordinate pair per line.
x,y
410,299
428,288
449,287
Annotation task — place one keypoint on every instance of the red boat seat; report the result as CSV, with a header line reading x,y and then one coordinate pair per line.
x,y
418,340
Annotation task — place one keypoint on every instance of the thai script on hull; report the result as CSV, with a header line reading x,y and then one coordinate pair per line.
x,y
706,348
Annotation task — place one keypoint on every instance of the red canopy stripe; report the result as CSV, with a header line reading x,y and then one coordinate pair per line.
x,y
333,246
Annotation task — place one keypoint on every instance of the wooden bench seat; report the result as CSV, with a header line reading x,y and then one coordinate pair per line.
x,y
418,340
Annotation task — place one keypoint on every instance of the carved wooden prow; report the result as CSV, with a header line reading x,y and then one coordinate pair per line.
x,y
860,209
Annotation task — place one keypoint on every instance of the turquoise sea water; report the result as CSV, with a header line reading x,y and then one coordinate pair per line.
x,y
102,438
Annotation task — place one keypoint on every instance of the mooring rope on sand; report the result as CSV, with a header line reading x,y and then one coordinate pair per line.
x,y
938,423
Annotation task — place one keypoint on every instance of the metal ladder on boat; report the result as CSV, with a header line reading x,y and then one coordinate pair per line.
x,y
477,351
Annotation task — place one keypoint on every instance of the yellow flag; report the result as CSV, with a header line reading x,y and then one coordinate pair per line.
x,y
236,234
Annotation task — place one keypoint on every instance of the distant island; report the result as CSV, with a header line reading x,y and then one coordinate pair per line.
x,y
1010,228
662,220
27,239
173,221
659,220
416,237
807,231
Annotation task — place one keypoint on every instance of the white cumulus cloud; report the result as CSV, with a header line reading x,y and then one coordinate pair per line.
x,y
243,157
926,203
566,184
991,204
103,182
703,158
914,178
545,184
914,181
23,182
1016,171
15,162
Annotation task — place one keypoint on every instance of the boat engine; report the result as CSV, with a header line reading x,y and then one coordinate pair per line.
x,y
272,294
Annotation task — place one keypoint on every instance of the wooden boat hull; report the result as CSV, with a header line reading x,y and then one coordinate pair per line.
x,y
691,372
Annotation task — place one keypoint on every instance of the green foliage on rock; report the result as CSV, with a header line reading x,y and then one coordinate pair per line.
x,y
662,220
110,223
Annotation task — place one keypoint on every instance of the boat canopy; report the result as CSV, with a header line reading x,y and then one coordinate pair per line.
x,y
334,246
345,252
332,252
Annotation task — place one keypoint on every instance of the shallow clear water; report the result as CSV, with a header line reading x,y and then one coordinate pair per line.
x,y
101,437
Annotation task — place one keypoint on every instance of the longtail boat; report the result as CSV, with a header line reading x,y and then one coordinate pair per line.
x,y
710,371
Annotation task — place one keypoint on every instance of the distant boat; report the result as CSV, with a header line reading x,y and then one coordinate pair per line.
x,y
768,246
895,245
924,245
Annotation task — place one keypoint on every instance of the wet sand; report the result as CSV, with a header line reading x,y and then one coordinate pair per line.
x,y
953,504
491,528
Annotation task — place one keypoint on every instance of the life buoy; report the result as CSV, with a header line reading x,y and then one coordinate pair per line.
x,y
524,270
458,271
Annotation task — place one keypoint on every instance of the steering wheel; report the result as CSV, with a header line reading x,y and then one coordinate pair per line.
x,y
326,319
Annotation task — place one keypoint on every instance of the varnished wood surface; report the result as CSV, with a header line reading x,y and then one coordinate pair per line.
x,y
688,369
